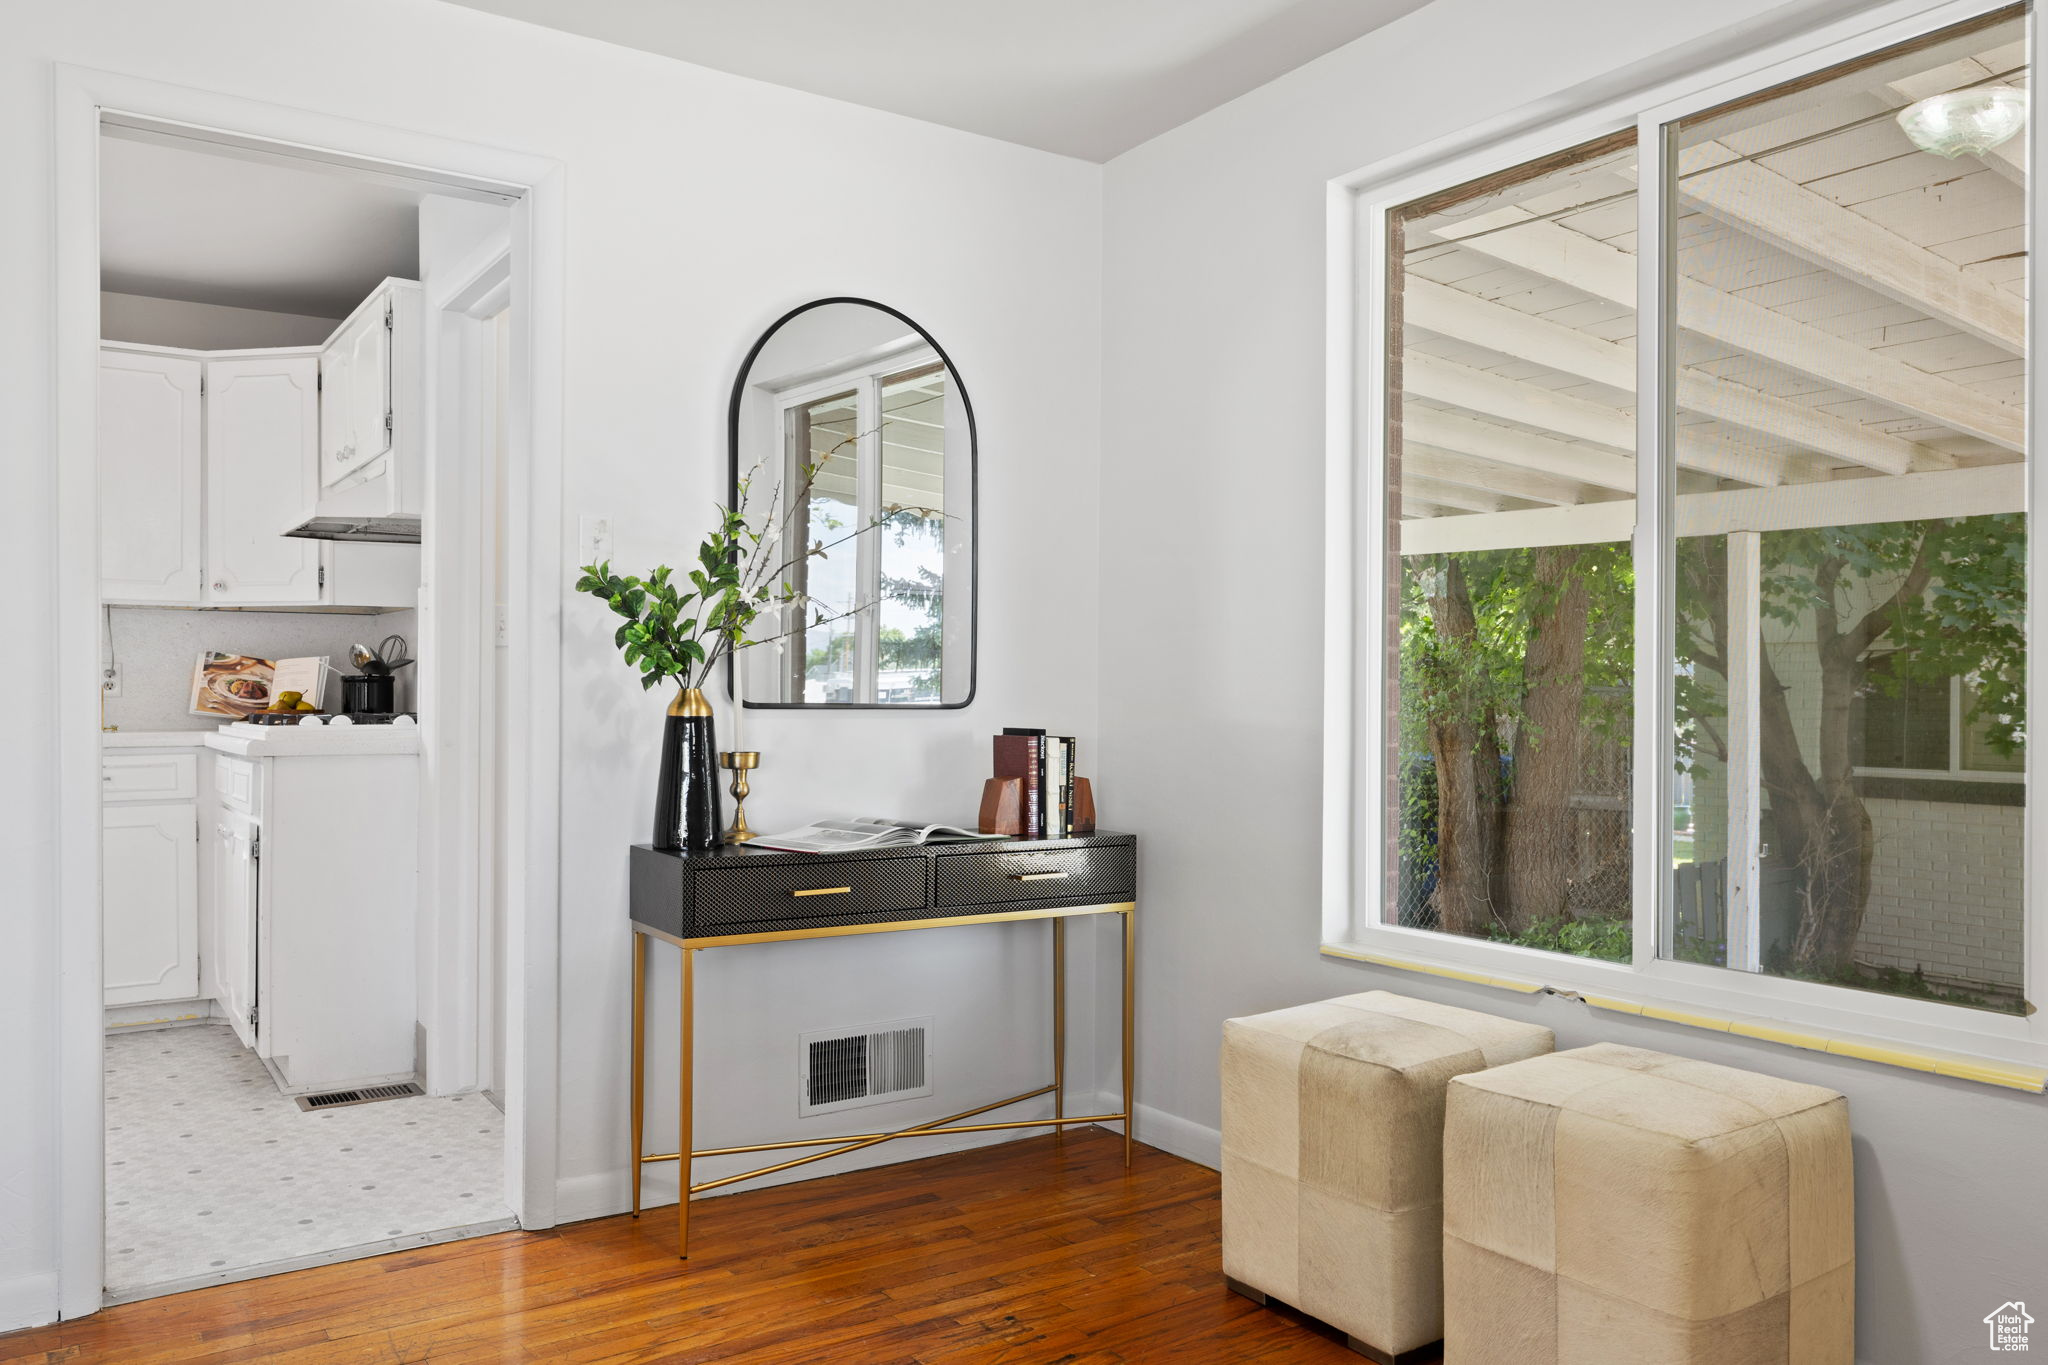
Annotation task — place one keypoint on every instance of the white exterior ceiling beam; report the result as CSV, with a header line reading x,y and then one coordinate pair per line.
x,y
1606,272
1448,466
1814,228
1461,386
1504,445
1981,491
1452,313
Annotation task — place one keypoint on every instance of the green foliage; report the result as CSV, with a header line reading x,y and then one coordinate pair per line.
x,y
1482,680
673,633
670,632
1970,621
1609,939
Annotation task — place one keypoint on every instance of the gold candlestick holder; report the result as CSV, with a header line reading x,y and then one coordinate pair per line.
x,y
739,762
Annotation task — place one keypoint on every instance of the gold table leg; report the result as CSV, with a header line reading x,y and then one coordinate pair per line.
x,y
685,1093
639,1059
1059,1021
1130,1029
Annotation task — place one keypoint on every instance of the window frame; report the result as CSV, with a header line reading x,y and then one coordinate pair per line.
x,y
1840,1019
1958,730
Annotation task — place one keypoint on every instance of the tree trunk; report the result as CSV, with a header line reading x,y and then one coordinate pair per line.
x,y
1537,847
1467,757
1821,823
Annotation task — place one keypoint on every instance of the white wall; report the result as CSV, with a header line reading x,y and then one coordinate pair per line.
x,y
148,321
1211,657
687,234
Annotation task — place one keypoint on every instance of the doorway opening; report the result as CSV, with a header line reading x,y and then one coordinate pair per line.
x,y
308,456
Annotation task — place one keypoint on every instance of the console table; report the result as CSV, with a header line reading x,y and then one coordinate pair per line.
x,y
741,895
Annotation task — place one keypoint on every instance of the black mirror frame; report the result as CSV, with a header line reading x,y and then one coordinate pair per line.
x,y
732,445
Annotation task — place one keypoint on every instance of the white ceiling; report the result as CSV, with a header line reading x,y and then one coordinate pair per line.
x,y
1088,78
206,228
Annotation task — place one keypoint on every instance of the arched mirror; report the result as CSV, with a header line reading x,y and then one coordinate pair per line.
x,y
853,456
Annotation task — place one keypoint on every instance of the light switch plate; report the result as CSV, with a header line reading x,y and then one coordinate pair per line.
x,y
593,538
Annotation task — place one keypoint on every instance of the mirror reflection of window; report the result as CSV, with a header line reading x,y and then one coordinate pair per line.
x,y
855,446
823,440
911,586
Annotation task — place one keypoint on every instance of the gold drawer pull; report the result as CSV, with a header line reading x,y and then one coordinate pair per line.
x,y
1037,876
825,891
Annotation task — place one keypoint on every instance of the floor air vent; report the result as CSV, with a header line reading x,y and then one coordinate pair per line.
x,y
874,1065
369,1094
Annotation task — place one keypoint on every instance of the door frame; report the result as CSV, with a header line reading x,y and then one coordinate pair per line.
x,y
457,647
83,100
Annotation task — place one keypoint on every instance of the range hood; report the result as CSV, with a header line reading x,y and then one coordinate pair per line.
x,y
373,530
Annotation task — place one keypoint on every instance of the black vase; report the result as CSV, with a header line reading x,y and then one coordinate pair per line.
x,y
686,806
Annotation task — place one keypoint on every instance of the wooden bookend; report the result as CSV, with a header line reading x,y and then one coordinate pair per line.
x,y
1002,806
1084,807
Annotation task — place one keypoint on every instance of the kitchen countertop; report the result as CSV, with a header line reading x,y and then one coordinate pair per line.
x,y
280,741
153,739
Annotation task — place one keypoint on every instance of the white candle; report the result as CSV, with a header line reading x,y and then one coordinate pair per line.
x,y
739,704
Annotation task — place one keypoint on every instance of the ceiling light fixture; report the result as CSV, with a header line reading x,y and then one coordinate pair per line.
x,y
1965,122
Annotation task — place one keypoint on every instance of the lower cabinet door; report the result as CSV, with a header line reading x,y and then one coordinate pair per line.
x,y
149,903
234,890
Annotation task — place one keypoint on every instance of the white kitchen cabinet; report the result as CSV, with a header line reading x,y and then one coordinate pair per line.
x,y
149,901
355,379
262,419
315,891
208,459
236,881
372,413
150,463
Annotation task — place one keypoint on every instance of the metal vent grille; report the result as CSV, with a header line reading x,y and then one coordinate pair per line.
x,y
369,1094
877,1064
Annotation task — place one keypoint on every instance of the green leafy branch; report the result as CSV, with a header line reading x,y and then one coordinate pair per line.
x,y
671,630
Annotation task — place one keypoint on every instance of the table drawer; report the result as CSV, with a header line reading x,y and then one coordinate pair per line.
x,y
734,896
149,777
1105,874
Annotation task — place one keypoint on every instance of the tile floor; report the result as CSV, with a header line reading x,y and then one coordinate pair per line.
x,y
211,1171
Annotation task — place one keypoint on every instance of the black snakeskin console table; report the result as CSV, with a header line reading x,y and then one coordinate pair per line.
x,y
741,895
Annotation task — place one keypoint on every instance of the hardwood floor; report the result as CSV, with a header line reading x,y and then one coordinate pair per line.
x,y
1039,1252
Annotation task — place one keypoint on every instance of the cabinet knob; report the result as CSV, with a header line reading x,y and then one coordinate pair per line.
x,y
345,453
220,587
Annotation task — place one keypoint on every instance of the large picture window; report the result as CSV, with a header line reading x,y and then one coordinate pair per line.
x,y
1737,573
1511,478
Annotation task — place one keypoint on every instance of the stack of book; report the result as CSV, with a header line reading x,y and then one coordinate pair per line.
x,y
1045,763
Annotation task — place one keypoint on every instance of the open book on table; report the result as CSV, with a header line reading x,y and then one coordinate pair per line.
x,y
865,832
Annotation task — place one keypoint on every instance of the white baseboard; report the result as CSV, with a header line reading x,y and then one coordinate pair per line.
x,y
162,1014
28,1301
1168,1132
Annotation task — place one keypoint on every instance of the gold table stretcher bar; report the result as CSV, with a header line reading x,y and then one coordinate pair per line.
x,y
739,897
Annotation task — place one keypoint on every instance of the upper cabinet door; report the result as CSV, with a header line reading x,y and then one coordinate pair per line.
x,y
356,368
149,441
263,423
336,413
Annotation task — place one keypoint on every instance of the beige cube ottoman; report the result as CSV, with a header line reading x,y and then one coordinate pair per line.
x,y
1613,1206
1332,1157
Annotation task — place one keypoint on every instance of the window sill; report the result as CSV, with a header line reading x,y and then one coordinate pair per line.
x,y
1985,1069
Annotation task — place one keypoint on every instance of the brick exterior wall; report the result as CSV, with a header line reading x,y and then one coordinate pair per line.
x,y
1945,891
